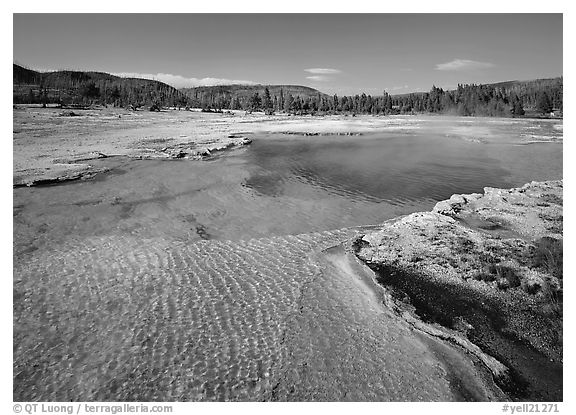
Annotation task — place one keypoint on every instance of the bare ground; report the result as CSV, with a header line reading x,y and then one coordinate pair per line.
x,y
486,269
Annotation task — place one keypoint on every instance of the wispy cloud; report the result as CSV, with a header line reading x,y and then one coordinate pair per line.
x,y
318,78
321,74
462,64
178,81
323,71
396,88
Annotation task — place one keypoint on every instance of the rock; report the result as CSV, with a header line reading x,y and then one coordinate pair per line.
x,y
455,204
99,155
444,208
178,154
69,114
533,283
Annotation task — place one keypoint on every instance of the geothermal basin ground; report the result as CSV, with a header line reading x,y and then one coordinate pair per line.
x,y
191,256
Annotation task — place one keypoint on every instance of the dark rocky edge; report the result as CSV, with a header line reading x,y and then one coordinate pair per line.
x,y
78,167
483,271
192,151
58,175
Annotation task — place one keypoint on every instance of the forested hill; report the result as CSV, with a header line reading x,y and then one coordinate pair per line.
x,y
539,96
76,87
248,96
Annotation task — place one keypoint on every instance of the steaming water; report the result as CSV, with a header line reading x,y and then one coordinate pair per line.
x,y
164,280
284,185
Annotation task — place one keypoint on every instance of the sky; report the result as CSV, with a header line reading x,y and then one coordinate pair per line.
x,y
334,53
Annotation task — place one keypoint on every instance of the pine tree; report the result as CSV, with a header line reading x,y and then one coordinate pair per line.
x,y
115,94
517,108
543,103
90,91
255,102
267,101
281,101
288,103
236,105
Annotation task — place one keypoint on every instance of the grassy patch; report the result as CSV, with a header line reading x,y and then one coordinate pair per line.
x,y
551,199
506,276
550,218
549,256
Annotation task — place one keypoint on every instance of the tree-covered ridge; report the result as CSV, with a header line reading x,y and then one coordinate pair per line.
x,y
501,99
83,88
241,96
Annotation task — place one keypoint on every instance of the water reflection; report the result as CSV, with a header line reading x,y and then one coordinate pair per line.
x,y
396,169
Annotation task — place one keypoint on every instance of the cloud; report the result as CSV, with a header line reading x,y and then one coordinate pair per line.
x,y
318,78
323,71
462,64
397,88
178,81
321,74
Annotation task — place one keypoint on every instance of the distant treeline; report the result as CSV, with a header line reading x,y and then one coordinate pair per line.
x,y
503,99
513,98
